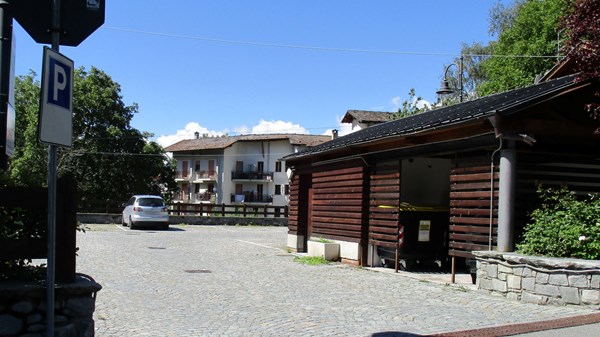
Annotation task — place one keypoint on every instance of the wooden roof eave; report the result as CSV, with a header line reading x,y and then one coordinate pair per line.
x,y
421,139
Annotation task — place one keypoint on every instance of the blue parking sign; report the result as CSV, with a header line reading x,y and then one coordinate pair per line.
x,y
59,83
55,124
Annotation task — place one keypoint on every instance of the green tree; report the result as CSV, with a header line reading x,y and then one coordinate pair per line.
x,y
472,73
527,42
28,165
109,158
582,42
411,106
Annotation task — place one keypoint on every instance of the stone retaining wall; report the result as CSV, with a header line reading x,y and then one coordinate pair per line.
x,y
539,280
23,308
101,218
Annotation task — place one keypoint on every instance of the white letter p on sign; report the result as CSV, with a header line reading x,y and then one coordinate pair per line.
x,y
60,81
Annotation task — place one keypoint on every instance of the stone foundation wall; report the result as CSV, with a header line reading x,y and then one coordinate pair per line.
x,y
23,308
539,280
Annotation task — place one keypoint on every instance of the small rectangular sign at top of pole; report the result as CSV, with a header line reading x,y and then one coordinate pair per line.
x,y
55,125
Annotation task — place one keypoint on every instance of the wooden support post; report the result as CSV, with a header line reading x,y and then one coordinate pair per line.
x,y
66,229
453,271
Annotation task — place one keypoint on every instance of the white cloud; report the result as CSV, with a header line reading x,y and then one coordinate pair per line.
x,y
267,127
343,128
423,103
242,130
263,127
187,133
396,102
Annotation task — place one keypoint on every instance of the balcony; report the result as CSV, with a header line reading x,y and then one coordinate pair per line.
x,y
182,175
251,175
205,197
205,176
249,197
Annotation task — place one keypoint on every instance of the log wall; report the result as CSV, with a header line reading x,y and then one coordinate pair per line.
x,y
470,199
384,204
337,205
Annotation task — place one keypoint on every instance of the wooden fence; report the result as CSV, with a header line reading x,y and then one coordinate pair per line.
x,y
223,210
35,199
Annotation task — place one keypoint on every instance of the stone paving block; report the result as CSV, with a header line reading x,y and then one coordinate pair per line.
x,y
558,280
10,325
492,270
513,282
541,278
247,284
595,282
528,283
547,290
589,296
23,307
570,295
533,298
579,281
499,285
504,269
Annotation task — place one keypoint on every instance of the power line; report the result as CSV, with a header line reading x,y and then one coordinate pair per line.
x,y
316,48
126,154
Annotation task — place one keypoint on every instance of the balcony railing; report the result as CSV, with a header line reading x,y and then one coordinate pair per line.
x,y
205,196
182,175
251,197
248,175
204,175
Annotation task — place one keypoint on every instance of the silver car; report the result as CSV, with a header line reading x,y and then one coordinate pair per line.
x,y
145,210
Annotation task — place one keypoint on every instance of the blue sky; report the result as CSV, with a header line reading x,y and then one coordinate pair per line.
x,y
240,66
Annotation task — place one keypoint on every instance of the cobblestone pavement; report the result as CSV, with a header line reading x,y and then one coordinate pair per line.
x,y
240,281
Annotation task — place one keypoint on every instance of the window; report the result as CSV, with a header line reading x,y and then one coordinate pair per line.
x,y
277,189
287,189
185,168
277,166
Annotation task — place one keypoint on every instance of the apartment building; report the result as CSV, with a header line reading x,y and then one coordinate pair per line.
x,y
243,169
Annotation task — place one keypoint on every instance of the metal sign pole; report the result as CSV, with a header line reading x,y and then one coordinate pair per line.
x,y
50,271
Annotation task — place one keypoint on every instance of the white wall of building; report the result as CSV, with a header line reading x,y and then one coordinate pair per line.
x,y
250,152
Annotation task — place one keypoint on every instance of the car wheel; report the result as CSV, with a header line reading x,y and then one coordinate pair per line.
x,y
165,227
130,223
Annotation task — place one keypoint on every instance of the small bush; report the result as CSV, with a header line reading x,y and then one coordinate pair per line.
x,y
564,226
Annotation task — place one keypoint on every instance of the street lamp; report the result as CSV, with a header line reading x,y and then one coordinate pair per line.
x,y
445,85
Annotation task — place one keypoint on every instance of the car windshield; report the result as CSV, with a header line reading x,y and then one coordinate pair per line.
x,y
151,202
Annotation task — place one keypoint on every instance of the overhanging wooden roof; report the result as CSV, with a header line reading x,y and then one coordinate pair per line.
x,y
454,116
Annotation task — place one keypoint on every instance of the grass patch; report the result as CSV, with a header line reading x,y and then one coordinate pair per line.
x,y
321,240
311,260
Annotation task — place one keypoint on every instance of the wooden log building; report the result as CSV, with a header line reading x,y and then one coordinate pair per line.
x,y
449,181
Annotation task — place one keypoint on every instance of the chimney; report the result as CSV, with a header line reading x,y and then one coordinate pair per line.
x,y
197,134
334,134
